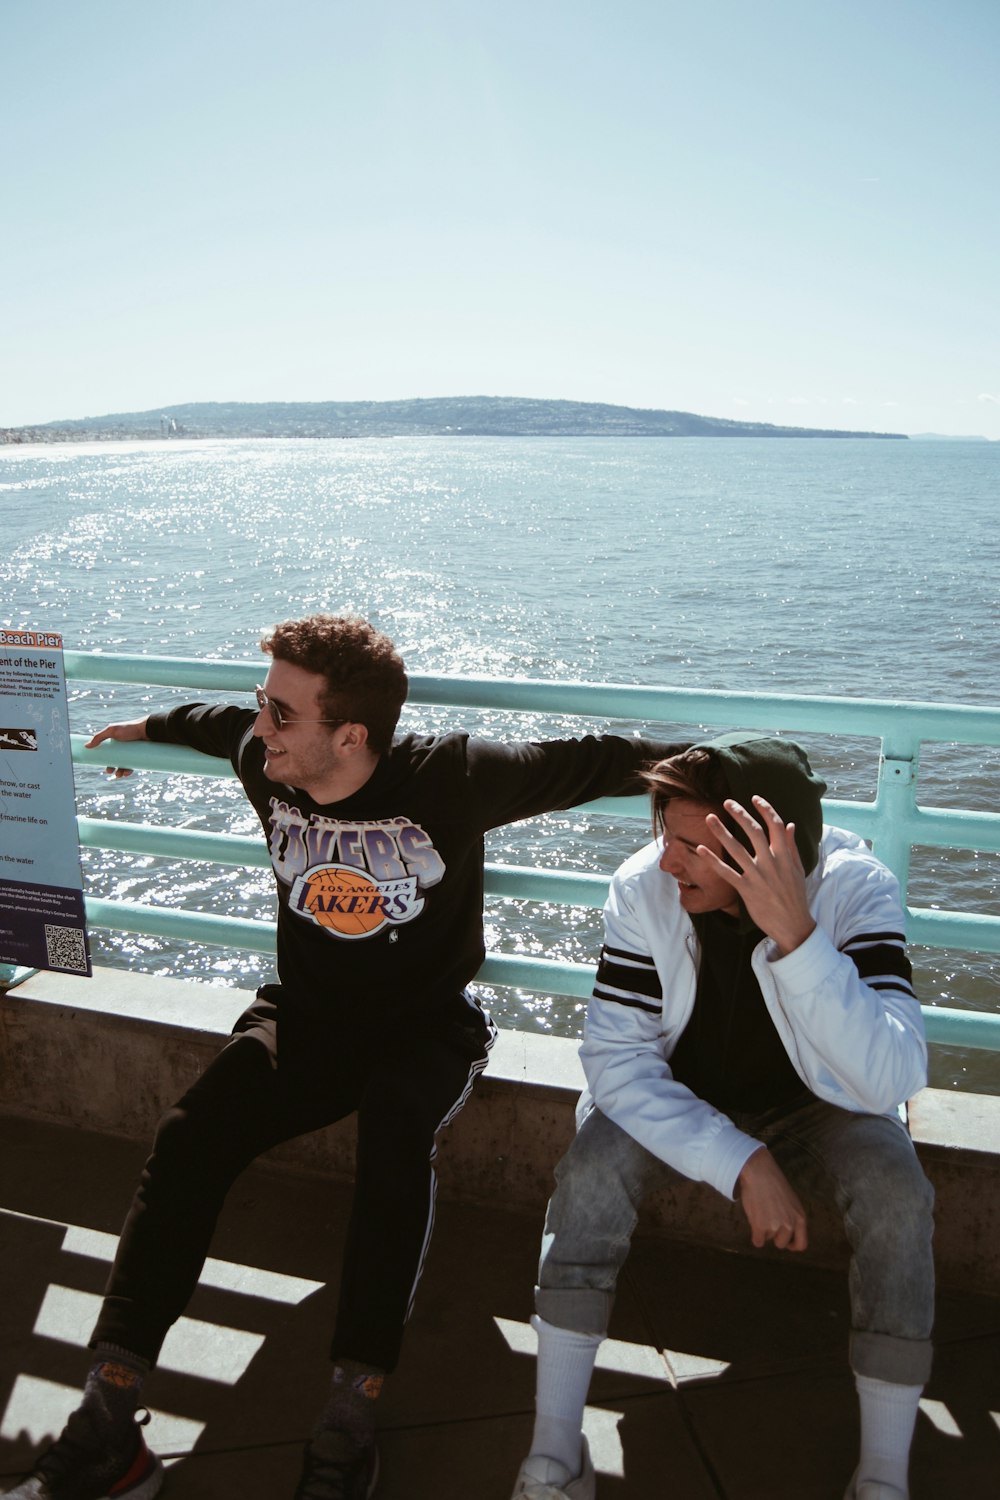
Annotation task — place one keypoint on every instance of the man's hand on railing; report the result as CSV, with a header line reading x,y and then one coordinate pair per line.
x,y
131,730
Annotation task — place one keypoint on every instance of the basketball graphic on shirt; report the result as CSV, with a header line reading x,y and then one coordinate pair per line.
x,y
348,901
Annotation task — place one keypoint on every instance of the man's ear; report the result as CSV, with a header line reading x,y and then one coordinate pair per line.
x,y
354,738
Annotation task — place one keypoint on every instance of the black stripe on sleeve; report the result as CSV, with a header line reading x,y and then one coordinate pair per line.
x,y
626,978
635,973
619,999
892,984
866,939
627,954
881,961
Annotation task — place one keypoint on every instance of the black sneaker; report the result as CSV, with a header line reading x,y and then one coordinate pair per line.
x,y
336,1468
81,1466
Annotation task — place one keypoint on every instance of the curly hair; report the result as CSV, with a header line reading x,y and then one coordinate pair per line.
x,y
693,776
365,678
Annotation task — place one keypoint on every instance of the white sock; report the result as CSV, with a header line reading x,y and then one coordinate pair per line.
x,y
888,1416
565,1365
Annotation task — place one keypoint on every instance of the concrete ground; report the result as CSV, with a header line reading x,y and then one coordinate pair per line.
x,y
725,1378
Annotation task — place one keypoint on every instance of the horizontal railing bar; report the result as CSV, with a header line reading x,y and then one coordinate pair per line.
x,y
935,827
933,929
164,671
243,849
144,755
967,723
962,1028
570,887
973,1029
953,929
954,828
546,975
862,716
173,843
245,933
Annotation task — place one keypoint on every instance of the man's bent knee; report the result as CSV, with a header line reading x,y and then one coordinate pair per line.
x,y
589,1224
602,1158
893,1208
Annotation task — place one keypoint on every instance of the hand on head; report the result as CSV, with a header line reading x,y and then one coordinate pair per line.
x,y
768,877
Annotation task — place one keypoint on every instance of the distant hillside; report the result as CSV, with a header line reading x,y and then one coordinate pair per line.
x,y
446,416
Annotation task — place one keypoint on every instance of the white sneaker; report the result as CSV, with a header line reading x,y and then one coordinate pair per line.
x,y
873,1489
545,1479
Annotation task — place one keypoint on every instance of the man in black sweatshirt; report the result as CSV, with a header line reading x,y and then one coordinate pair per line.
x,y
377,846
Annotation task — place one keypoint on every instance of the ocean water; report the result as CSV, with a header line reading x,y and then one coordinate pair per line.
x,y
869,569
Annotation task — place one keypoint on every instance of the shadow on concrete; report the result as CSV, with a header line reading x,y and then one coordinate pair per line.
x,y
725,1377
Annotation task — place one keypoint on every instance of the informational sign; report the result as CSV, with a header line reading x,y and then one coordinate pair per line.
x,y
42,923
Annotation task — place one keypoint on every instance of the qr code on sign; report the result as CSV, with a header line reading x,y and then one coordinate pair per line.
x,y
65,949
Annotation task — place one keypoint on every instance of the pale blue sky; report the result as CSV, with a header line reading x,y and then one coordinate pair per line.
x,y
784,211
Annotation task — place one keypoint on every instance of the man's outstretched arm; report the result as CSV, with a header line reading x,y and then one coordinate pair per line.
x,y
131,730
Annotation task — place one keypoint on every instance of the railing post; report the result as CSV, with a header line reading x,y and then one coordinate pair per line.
x,y
896,803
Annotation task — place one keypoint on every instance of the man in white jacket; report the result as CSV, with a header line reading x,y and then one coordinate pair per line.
x,y
753,1026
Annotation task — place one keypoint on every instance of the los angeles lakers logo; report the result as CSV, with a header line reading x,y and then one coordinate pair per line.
x,y
349,903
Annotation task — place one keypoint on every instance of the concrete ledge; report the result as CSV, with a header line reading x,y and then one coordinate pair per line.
x,y
110,1054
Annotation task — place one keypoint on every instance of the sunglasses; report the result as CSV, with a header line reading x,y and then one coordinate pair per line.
x,y
278,717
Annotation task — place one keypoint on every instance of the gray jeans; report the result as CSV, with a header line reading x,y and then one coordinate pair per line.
x,y
866,1161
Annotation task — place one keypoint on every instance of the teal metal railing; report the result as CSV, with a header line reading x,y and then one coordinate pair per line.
x,y
894,822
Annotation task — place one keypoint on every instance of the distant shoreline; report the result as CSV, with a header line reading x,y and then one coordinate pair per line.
x,y
453,416
27,438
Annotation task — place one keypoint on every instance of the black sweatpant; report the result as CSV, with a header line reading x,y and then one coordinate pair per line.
x,y
279,1076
